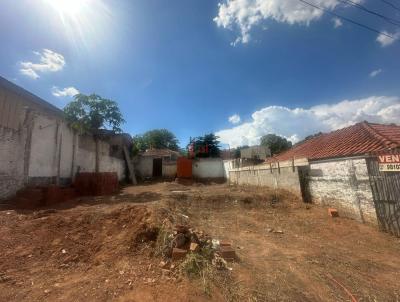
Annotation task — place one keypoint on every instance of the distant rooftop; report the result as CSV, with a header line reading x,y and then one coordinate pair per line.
x,y
160,153
359,139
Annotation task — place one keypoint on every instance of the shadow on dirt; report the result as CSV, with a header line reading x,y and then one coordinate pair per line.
x,y
143,197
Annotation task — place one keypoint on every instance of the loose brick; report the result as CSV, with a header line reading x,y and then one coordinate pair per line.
x,y
333,212
225,243
227,252
194,247
178,254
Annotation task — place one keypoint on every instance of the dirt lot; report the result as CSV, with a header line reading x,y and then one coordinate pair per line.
x,y
102,249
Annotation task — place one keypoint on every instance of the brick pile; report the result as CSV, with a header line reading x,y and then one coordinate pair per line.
x,y
96,184
54,195
184,241
86,184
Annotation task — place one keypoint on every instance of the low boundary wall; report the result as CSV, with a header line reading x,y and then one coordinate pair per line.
x,y
286,178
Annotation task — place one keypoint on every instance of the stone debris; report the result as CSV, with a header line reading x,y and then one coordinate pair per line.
x,y
163,264
178,254
183,241
276,231
333,212
194,247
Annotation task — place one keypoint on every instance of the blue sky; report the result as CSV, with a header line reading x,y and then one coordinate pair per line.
x,y
238,68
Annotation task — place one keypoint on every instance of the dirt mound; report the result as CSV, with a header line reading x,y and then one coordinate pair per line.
x,y
105,249
60,238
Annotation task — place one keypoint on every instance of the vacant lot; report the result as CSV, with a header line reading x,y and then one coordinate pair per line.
x,y
102,249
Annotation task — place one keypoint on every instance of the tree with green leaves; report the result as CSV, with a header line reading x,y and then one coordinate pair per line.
x,y
275,143
207,146
88,113
155,139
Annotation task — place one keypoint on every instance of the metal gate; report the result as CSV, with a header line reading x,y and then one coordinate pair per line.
x,y
386,193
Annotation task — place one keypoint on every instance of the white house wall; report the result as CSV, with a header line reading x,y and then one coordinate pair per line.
x,y
343,184
208,168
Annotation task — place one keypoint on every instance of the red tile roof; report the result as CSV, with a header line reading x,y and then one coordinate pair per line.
x,y
355,140
160,153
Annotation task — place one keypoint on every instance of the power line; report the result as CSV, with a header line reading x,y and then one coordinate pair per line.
x,y
348,20
363,8
391,4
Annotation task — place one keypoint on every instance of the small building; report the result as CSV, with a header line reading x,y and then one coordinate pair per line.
x,y
156,163
255,153
339,169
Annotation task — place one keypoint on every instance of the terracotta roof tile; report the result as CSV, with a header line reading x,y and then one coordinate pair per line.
x,y
160,153
358,139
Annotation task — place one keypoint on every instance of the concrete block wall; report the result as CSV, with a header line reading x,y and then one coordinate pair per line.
x,y
286,178
343,184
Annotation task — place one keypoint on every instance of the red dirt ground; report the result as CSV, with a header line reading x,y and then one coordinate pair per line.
x,y
91,250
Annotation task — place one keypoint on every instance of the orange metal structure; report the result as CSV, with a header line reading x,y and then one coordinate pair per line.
x,y
184,167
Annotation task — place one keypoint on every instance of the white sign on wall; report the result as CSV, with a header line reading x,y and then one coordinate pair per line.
x,y
389,163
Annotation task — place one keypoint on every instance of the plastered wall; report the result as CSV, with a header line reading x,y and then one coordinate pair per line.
x,y
12,149
44,150
343,184
286,178
208,168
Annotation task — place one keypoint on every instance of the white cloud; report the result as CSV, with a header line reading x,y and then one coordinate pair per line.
x,y
49,61
384,40
295,124
68,91
337,22
234,119
29,73
374,73
245,14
